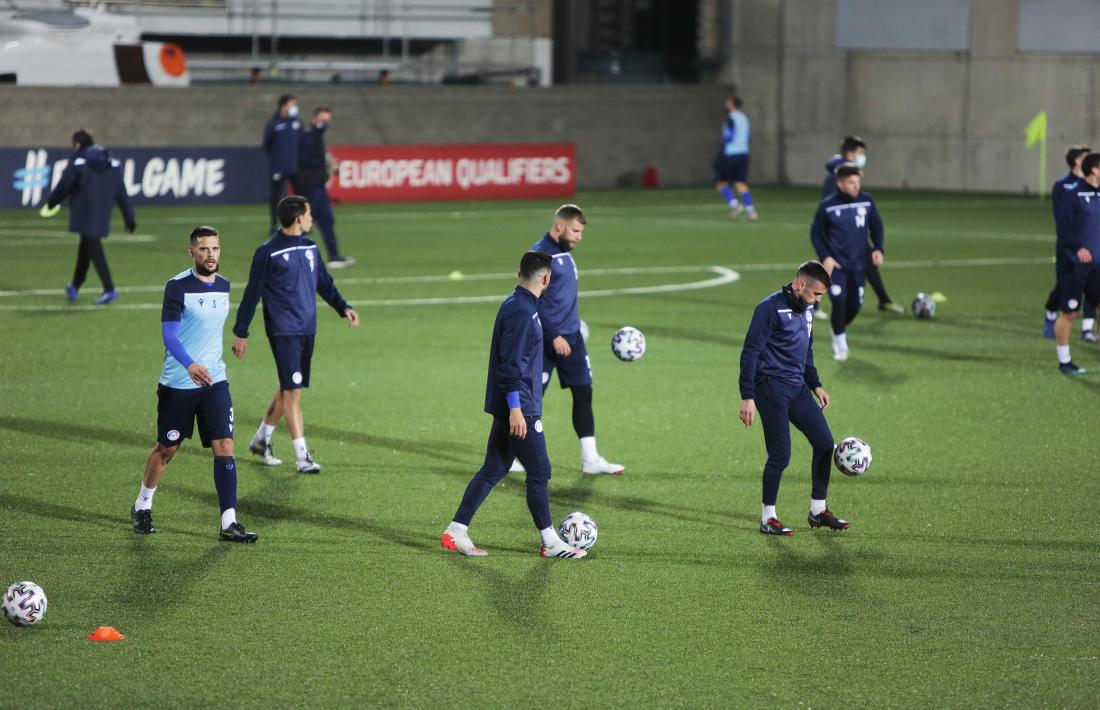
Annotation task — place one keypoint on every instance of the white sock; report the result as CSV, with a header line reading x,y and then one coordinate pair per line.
x,y
265,431
229,516
588,449
1052,315
1088,324
733,203
458,528
145,499
300,449
841,340
767,512
1063,354
817,506
550,537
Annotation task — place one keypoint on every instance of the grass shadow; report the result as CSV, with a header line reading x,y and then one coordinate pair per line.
x,y
82,433
440,450
516,600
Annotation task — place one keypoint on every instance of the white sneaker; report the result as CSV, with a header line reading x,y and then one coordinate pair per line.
x,y
517,467
263,449
453,540
308,465
563,551
342,263
840,354
601,465
820,314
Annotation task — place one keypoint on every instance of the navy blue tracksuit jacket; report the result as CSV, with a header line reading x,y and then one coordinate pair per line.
x,y
779,344
287,272
829,186
280,142
515,356
841,226
1083,225
93,183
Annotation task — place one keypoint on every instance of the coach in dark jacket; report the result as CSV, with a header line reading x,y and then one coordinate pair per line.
x,y
281,135
92,181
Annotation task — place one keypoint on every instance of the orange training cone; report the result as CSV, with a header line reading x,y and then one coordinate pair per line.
x,y
106,633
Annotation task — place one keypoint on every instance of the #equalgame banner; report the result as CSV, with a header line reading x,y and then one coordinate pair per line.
x,y
480,171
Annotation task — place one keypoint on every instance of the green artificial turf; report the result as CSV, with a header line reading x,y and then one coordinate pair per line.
x,y
969,576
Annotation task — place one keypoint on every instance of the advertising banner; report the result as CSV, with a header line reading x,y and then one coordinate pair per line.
x,y
152,175
480,171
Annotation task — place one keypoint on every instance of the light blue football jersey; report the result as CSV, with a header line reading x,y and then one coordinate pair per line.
x,y
201,308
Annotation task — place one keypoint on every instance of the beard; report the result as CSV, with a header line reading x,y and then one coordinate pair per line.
x,y
201,269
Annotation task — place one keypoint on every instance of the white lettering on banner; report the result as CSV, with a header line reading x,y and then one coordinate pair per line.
x,y
395,173
496,171
169,177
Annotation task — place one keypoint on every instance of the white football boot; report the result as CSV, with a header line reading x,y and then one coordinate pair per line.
x,y
263,450
308,465
562,551
601,466
453,539
517,467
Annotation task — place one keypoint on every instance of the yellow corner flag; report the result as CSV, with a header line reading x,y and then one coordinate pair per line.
x,y
1036,132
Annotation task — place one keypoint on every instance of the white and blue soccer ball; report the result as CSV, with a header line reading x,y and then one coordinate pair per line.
x,y
852,456
578,530
628,344
24,604
924,306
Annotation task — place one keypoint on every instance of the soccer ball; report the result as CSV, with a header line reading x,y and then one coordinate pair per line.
x,y
578,530
924,306
584,331
852,456
628,344
24,603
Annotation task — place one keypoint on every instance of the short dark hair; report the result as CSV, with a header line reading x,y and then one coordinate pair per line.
x,y
1090,163
199,232
569,213
321,109
291,208
845,170
814,271
1076,152
285,99
737,103
532,263
82,138
852,143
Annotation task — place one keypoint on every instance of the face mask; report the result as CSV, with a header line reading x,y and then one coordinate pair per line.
x,y
320,125
861,160
292,112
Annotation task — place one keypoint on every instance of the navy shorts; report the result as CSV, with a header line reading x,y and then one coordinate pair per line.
x,y
731,168
1077,281
293,354
178,409
574,370
848,286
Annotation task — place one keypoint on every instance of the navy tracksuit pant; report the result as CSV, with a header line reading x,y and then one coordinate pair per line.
x,y
320,207
781,404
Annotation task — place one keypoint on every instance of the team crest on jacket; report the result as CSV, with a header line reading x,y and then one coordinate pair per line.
x,y
310,257
538,425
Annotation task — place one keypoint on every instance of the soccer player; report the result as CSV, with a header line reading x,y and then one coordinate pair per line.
x,y
193,385
1078,259
564,347
839,233
854,150
310,184
93,183
779,381
731,165
281,135
1061,200
513,395
287,272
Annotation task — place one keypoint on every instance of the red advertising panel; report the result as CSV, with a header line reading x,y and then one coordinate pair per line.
x,y
480,171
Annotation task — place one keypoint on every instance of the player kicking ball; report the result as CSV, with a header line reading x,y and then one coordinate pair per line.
x,y
779,381
193,385
513,395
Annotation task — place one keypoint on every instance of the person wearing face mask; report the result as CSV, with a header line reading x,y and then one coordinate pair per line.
x,y
854,150
281,136
311,181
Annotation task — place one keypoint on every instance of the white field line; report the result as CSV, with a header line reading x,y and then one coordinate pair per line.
x,y
66,239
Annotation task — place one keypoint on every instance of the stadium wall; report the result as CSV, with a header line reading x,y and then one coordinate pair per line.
x,y
617,130
950,120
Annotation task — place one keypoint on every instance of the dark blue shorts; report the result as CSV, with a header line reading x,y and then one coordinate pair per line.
x,y
293,354
848,286
731,168
574,370
1076,282
178,409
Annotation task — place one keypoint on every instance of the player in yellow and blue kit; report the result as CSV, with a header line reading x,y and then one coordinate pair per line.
x,y
193,385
